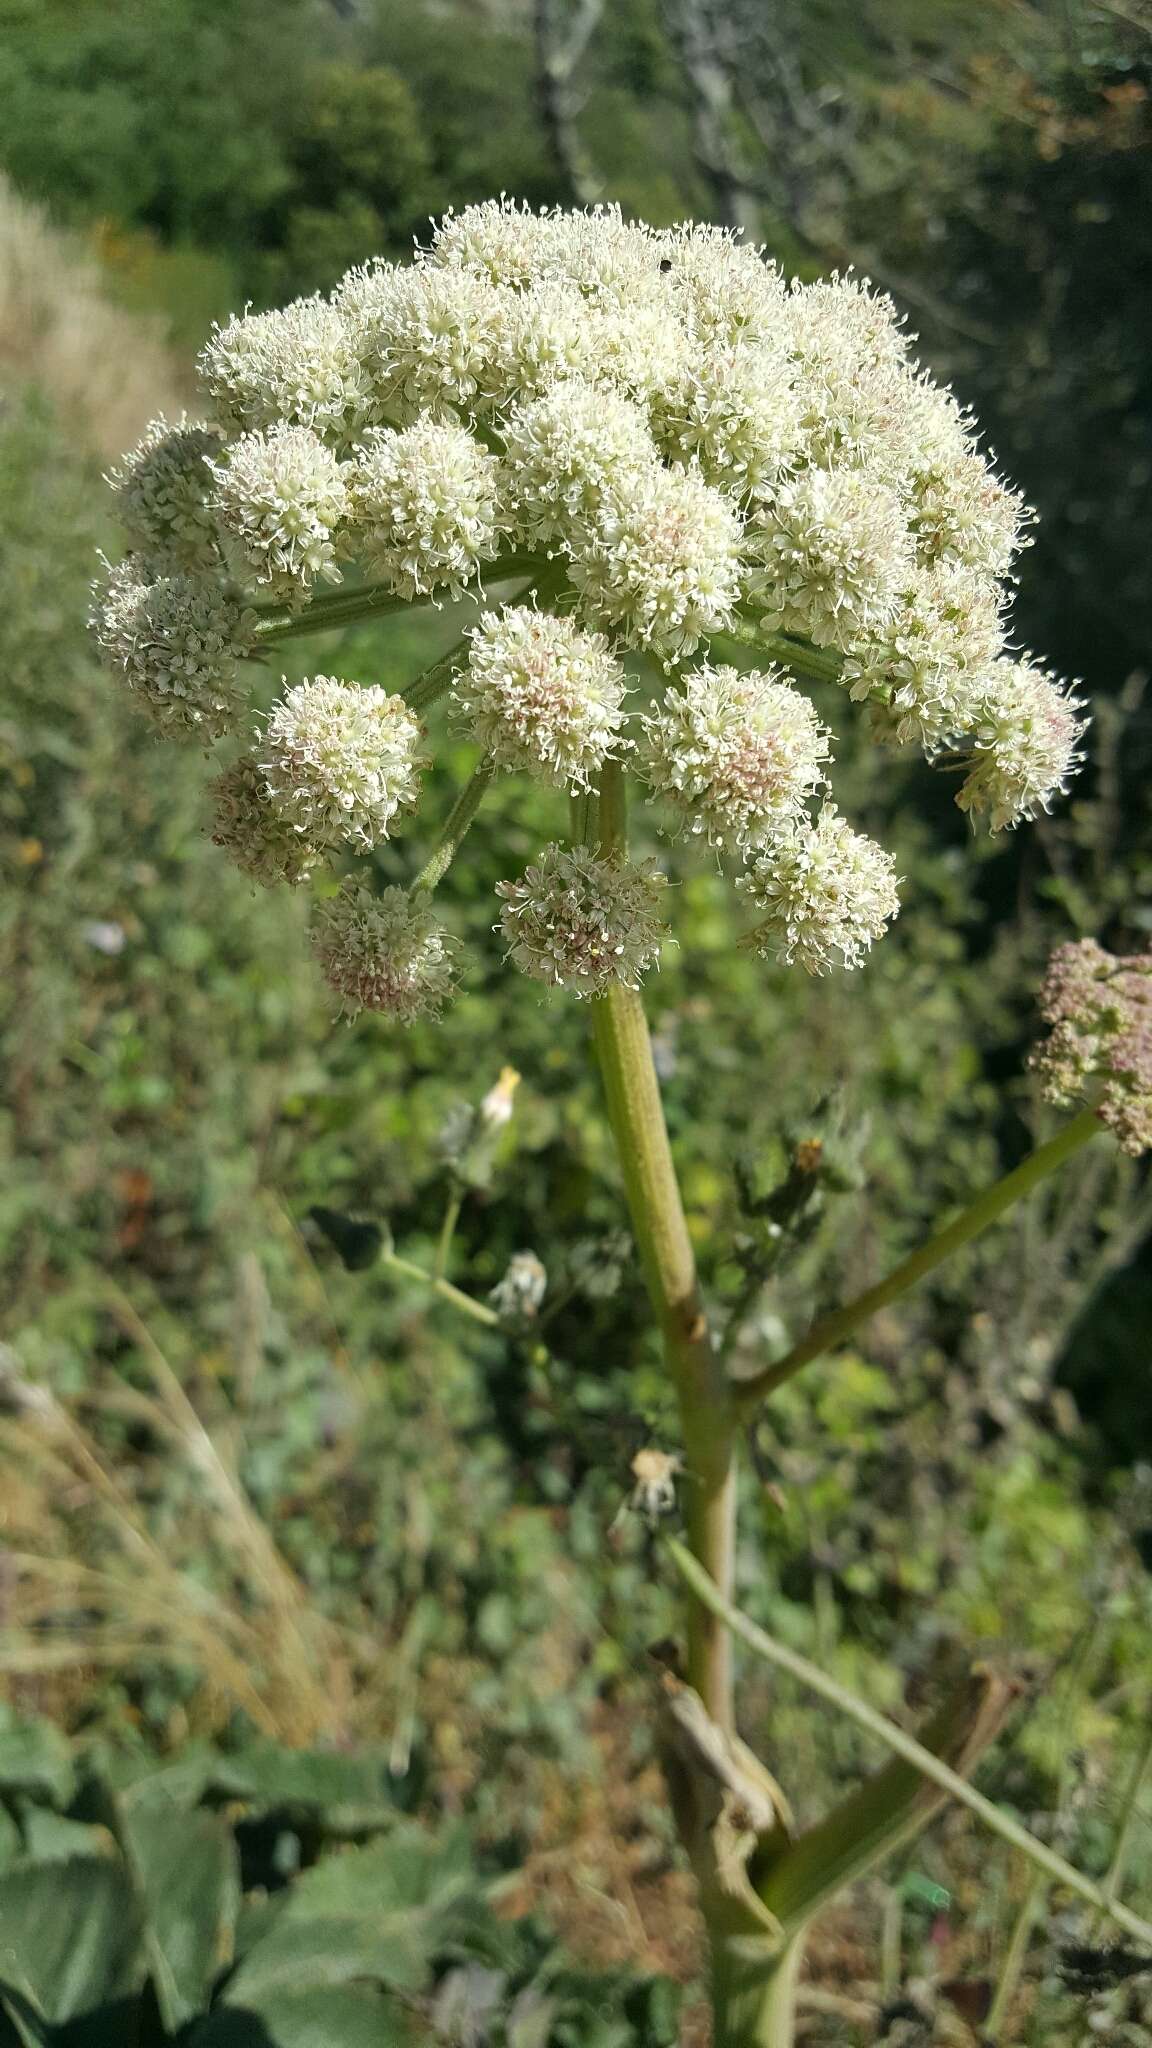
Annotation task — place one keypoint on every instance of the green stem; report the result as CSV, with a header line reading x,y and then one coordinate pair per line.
x,y
832,1329
447,1233
754,1995
478,1310
819,664
708,1422
456,826
901,1744
274,622
1141,1772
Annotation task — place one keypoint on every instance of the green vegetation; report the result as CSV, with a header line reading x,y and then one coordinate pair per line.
x,y
403,1551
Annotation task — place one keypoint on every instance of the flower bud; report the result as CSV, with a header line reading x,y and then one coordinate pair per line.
x,y
581,923
385,953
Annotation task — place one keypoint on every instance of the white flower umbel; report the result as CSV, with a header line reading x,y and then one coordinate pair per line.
x,y
735,412
176,643
543,697
299,365
567,451
581,923
962,512
386,953
280,499
264,843
502,238
162,489
661,564
542,334
341,759
424,506
724,290
427,337
1028,735
827,893
925,674
835,553
737,753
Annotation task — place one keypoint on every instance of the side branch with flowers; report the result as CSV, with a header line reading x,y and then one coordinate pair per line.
x,y
683,466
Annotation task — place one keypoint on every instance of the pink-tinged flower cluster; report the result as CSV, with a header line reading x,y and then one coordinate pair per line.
x,y
1098,1007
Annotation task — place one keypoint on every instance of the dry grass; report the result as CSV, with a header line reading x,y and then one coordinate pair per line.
x,y
107,370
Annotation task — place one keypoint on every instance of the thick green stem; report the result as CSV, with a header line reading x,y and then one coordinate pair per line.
x,y
275,622
832,1329
636,1115
754,1995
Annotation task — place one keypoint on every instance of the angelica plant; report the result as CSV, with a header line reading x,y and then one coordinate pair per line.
x,y
708,488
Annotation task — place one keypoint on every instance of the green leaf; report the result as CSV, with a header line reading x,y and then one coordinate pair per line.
x,y
25,2023
186,1871
35,1759
305,1954
348,2017
51,1838
71,1937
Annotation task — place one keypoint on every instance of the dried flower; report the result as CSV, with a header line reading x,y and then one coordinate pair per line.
x,y
162,487
581,923
828,894
341,760
280,497
424,505
176,643
739,754
542,696
662,563
518,1294
264,843
1098,1007
385,952
1028,730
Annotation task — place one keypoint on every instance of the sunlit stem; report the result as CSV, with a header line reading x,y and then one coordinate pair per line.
x,y
818,664
458,822
276,622
478,1310
833,1329
636,1116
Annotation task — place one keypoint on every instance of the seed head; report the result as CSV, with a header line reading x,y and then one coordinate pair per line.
x,y
661,564
828,894
176,643
542,696
341,760
254,833
385,953
581,923
280,498
424,505
738,754
1098,1007
162,487
1028,730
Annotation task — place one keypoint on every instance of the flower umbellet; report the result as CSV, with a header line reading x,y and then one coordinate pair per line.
x,y
676,491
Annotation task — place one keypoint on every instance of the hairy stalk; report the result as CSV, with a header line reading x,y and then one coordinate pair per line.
x,y
832,1329
275,622
456,827
708,1422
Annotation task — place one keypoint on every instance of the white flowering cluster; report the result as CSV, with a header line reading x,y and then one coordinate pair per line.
x,y
673,445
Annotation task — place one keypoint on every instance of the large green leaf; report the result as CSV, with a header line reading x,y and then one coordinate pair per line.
x,y
35,1759
186,1871
348,2017
71,1935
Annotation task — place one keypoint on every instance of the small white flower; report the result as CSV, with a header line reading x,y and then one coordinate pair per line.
x,y
661,563
738,753
298,365
581,923
281,498
827,893
341,760
501,237
835,553
926,672
1028,732
424,505
962,512
162,488
542,697
385,952
517,1296
567,451
427,337
725,291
